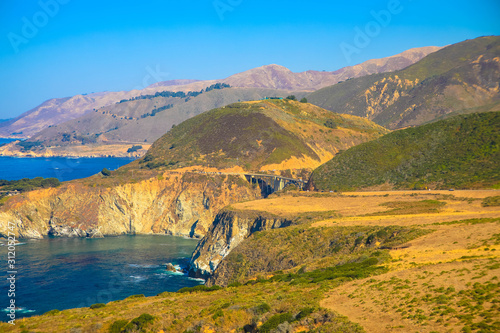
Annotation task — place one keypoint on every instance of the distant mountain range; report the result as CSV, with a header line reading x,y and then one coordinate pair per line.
x,y
461,78
59,110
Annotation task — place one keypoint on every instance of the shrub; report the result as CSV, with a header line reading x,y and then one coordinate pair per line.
x,y
262,308
274,321
117,326
134,148
97,305
491,201
136,296
52,312
330,124
201,287
304,313
105,172
303,100
137,324
218,314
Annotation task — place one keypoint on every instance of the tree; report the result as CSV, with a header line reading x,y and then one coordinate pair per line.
x,y
292,97
303,100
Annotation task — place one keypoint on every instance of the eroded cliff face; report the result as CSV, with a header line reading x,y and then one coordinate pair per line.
x,y
228,230
183,204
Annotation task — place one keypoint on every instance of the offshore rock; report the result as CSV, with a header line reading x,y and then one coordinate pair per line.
x,y
174,203
228,230
169,267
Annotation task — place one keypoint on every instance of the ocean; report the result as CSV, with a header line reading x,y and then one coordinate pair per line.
x,y
63,273
14,168
62,168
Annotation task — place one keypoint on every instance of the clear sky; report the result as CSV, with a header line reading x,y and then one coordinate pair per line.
x,y
59,48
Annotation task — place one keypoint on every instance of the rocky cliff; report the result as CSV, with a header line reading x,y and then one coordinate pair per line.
x,y
228,230
175,203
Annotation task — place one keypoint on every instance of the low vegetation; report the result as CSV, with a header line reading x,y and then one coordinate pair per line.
x,y
459,152
422,270
313,249
251,135
178,94
26,184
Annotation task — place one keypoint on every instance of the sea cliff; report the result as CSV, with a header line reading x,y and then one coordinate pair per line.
x,y
183,204
228,230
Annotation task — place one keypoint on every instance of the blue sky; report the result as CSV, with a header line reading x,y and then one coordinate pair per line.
x,y
59,48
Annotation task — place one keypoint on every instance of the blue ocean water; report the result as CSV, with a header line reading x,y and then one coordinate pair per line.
x,y
63,273
13,168
6,140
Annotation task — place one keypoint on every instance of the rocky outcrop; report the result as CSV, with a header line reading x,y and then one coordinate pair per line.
x,y
62,230
228,230
183,204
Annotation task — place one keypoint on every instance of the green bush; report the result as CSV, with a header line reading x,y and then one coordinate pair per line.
x,y
491,201
117,326
201,287
138,324
134,148
136,296
303,100
217,314
262,308
52,312
330,124
97,305
105,172
274,321
27,184
304,313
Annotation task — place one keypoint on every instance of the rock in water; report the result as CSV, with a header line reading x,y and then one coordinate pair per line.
x,y
171,268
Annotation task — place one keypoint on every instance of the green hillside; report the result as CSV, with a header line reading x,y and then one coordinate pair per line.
x,y
461,78
252,135
459,152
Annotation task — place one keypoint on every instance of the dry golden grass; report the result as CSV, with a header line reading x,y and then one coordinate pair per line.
x,y
432,284
378,303
456,254
353,205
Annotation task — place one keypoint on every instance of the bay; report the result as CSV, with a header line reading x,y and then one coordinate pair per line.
x,y
63,273
14,168
6,140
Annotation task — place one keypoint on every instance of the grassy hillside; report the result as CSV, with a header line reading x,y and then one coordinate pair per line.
x,y
417,272
461,152
461,78
260,135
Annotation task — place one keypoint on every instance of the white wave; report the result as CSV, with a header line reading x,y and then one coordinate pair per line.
x,y
138,278
20,310
196,279
163,275
143,266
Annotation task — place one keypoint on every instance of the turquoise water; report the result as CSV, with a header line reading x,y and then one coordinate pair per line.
x,y
14,168
63,273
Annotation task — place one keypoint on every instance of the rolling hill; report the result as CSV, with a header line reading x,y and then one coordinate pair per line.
x,y
59,110
259,136
458,152
461,78
114,129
